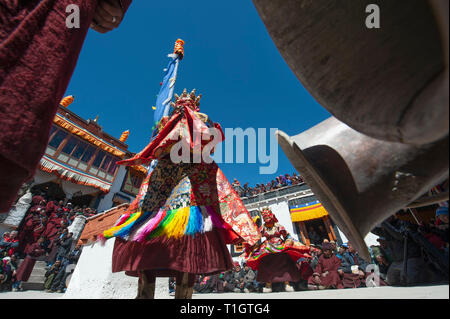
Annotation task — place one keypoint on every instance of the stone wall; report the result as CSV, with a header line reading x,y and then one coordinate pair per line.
x,y
93,277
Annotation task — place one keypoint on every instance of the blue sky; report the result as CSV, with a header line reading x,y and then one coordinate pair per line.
x,y
229,58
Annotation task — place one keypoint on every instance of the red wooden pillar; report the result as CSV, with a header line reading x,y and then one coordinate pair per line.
x,y
329,227
304,233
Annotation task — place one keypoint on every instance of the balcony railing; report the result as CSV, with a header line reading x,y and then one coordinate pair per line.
x,y
275,193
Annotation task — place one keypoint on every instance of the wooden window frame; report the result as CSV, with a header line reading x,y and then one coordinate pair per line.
x,y
62,142
89,164
125,181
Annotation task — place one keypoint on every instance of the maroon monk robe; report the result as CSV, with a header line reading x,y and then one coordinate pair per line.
x,y
26,237
36,200
38,54
36,209
52,227
38,232
26,267
305,270
327,269
351,280
50,208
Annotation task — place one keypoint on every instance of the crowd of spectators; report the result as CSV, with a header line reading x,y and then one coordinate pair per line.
x,y
317,235
43,234
335,266
408,254
419,248
279,182
239,279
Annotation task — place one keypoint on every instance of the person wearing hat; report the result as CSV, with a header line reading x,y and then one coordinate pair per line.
x,y
326,274
442,218
341,251
441,226
352,269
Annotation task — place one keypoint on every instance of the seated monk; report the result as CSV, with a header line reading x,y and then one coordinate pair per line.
x,y
352,269
326,274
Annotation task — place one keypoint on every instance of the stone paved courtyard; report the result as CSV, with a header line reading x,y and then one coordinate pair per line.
x,y
420,292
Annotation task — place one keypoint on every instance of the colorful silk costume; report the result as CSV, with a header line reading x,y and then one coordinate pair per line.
x,y
275,258
185,213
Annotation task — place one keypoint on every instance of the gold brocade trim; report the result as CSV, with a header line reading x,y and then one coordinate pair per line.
x,y
86,136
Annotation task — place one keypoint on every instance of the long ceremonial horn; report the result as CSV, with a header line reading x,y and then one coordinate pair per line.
x,y
361,180
390,82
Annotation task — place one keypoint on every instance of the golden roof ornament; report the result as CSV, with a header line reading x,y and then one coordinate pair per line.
x,y
179,48
65,102
124,136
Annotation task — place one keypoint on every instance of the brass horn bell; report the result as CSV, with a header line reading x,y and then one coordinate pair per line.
x,y
361,180
390,82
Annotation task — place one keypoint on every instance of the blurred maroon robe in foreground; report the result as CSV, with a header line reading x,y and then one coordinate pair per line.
x,y
38,54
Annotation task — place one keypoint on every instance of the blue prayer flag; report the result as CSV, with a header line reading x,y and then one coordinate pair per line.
x,y
166,92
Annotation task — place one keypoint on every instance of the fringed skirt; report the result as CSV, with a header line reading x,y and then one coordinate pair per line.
x,y
175,224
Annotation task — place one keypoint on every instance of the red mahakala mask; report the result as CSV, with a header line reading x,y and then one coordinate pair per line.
x,y
268,216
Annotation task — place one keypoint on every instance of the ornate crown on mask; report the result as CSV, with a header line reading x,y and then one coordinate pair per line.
x,y
268,216
189,100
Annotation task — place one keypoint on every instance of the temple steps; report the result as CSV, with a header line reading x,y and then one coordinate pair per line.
x,y
37,278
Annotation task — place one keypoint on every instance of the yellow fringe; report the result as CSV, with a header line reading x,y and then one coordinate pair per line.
x,y
178,224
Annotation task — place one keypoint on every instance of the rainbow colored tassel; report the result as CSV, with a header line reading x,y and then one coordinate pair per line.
x,y
174,223
122,219
114,230
177,226
148,227
159,231
195,222
126,230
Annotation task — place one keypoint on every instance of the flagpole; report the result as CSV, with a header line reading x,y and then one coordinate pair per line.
x,y
165,95
172,87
